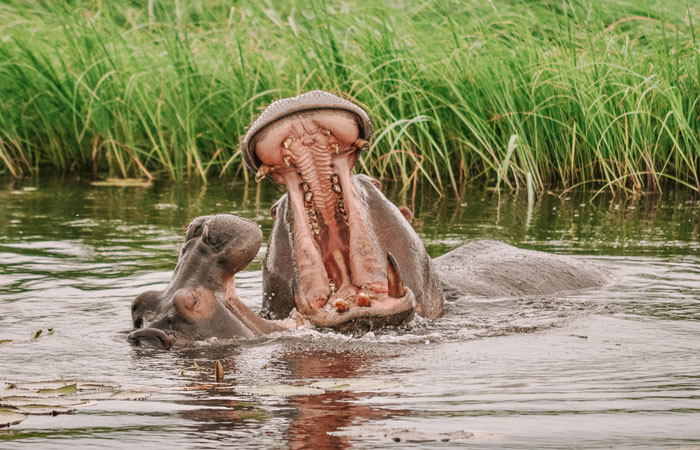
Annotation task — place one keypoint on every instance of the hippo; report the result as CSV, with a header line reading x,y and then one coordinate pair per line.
x,y
340,255
200,302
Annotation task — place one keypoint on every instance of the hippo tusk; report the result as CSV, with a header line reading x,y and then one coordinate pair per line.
x,y
299,298
262,172
393,276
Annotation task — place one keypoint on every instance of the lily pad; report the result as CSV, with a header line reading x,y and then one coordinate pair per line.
x,y
67,389
99,395
24,393
129,395
16,402
39,385
46,409
96,385
10,417
354,384
286,390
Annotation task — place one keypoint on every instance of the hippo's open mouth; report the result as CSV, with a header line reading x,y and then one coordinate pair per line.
x,y
310,144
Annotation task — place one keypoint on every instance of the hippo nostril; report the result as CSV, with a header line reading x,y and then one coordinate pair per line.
x,y
138,323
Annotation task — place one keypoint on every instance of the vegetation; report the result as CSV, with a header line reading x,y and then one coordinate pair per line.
x,y
528,93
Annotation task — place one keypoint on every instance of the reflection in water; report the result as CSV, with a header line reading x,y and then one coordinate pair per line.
x,y
616,366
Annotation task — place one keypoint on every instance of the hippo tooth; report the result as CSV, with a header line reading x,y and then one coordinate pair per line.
x,y
262,172
393,276
340,305
287,160
361,144
304,186
363,299
325,132
205,232
299,320
339,261
287,142
335,179
309,196
337,188
335,148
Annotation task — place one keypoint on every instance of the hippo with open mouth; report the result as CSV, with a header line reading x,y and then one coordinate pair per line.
x,y
340,255
339,252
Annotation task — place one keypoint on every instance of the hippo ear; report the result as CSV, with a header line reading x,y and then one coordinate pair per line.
x,y
194,229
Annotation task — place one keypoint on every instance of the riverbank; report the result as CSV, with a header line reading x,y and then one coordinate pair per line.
x,y
527,94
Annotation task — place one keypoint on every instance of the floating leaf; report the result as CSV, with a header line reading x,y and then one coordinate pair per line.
x,y
37,334
354,384
279,389
99,395
39,410
68,389
23,393
122,182
17,401
96,385
6,341
10,417
129,395
39,385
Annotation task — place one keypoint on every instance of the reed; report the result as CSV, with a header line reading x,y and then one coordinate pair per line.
x,y
526,94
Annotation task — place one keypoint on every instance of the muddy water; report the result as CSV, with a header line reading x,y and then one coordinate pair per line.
x,y
614,367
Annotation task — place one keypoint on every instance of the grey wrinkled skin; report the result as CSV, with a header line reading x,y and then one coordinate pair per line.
x,y
485,268
200,302
394,235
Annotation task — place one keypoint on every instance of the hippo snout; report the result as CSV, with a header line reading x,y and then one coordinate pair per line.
x,y
151,338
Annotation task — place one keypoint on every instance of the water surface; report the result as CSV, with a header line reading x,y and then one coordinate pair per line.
x,y
614,367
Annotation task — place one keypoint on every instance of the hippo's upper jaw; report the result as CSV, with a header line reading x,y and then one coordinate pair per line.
x,y
201,302
343,275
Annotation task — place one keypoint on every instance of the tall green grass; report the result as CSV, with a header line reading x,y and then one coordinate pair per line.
x,y
530,94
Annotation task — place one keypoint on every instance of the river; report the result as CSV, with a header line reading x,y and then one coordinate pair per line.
x,y
611,367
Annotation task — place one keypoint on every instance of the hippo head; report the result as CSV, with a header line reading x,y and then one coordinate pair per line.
x,y
343,276
201,302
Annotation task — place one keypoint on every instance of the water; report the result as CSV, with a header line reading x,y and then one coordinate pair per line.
x,y
611,367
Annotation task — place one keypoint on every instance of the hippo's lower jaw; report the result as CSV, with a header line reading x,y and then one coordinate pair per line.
x,y
340,267
355,318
